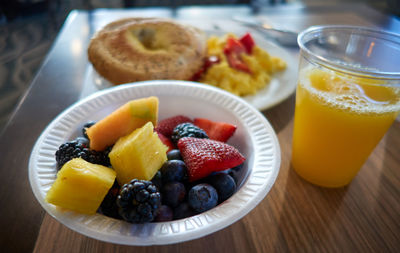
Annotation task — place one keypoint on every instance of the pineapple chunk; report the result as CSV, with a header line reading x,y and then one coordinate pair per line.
x,y
81,186
138,155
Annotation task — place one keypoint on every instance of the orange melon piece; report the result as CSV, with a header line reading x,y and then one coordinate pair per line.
x,y
81,186
123,121
138,155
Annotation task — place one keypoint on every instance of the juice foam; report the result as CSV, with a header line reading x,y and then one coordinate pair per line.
x,y
353,95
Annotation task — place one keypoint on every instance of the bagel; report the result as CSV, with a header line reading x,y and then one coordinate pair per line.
x,y
138,49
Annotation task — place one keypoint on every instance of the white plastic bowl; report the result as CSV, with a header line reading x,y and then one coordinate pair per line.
x,y
254,138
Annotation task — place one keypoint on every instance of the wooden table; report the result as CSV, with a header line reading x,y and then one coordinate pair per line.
x,y
295,216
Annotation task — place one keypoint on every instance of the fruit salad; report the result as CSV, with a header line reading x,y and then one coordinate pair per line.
x,y
131,166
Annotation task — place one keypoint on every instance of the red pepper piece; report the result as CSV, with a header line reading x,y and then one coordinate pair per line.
x,y
248,42
233,49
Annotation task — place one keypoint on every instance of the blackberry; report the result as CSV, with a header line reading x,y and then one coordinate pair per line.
x,y
187,130
138,201
80,148
86,126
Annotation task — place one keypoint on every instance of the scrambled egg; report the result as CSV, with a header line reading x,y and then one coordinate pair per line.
x,y
240,83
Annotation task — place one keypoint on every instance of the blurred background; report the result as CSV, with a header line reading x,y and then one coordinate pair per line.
x,y
29,27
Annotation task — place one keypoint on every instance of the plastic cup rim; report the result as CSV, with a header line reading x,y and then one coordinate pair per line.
x,y
325,62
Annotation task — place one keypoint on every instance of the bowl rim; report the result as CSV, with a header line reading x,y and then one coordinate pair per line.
x,y
266,165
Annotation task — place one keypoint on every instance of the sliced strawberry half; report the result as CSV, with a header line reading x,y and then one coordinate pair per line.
x,y
167,142
166,126
219,131
204,156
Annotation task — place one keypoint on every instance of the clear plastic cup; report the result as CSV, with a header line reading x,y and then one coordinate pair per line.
x,y
348,95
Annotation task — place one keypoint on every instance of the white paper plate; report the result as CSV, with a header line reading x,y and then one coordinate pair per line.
x,y
281,86
254,138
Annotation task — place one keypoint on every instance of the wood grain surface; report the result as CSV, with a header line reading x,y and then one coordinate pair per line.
x,y
295,216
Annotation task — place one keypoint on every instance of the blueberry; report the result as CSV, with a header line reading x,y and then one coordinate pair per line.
x,y
174,171
157,180
86,126
183,211
228,171
174,154
202,197
82,142
173,193
224,184
165,213
236,172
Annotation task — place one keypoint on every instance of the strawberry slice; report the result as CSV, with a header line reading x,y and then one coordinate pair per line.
x,y
167,142
248,42
166,126
219,131
204,156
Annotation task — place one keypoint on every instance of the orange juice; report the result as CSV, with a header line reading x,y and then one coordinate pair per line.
x,y
338,122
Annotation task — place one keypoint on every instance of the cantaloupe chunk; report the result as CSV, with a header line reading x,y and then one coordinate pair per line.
x,y
138,155
123,121
81,186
